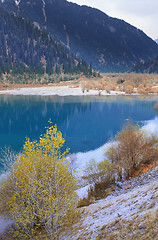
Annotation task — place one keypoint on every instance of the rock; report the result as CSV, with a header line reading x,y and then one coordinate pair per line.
x,y
119,215
119,184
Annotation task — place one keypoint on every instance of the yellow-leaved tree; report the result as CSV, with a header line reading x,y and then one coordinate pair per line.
x,y
43,189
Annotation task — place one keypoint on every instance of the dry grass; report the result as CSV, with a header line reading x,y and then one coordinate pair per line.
x,y
99,191
137,218
145,228
85,202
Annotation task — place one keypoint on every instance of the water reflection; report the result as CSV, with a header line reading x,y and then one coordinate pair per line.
x,y
86,122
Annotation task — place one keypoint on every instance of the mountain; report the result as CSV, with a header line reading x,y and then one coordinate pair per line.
x,y
108,43
26,48
150,66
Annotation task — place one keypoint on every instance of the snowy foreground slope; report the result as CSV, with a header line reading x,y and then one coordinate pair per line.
x,y
129,212
133,214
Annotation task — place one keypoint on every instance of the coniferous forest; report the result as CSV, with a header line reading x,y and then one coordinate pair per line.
x,y
26,48
110,44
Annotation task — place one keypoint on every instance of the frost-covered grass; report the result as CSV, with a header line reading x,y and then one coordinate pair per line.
x,y
128,216
151,126
144,227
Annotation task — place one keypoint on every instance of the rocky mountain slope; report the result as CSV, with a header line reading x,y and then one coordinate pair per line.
x,y
150,66
26,48
108,43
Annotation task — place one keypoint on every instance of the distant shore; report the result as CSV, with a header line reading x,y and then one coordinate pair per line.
x,y
56,90
107,84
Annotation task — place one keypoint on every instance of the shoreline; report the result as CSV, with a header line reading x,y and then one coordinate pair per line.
x,y
62,89
58,90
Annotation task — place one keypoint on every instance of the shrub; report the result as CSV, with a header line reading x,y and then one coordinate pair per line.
x,y
91,168
41,189
102,177
133,149
96,172
105,169
6,187
100,190
141,91
129,89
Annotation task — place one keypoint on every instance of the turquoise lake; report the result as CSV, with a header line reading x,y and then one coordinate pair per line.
x,y
86,122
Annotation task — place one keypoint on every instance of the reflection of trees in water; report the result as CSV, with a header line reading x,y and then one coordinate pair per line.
x,y
156,111
155,107
86,122
31,114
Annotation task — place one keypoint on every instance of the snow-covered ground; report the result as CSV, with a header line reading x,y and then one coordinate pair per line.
x,y
4,224
151,126
59,90
129,206
132,205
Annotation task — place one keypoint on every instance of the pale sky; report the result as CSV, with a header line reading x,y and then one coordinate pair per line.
x,y
142,14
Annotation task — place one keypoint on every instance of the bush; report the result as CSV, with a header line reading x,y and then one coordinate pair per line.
x,y
141,91
96,172
102,177
100,190
41,189
133,149
91,168
6,187
129,89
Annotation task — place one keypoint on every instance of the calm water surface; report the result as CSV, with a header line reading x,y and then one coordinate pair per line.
x,y
86,122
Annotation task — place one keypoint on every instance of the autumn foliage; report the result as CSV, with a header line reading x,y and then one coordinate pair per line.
x,y
132,149
41,188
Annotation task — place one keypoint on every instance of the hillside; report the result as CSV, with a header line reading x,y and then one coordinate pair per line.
x,y
26,48
150,66
108,43
129,212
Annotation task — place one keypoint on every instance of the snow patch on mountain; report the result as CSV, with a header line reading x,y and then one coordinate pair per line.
x,y
17,2
44,3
